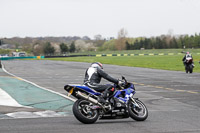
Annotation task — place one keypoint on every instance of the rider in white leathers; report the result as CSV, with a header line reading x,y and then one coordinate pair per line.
x,y
93,77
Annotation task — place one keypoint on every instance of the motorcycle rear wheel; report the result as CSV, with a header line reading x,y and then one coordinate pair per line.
x,y
83,112
137,113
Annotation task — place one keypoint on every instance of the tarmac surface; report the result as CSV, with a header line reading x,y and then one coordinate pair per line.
x,y
172,98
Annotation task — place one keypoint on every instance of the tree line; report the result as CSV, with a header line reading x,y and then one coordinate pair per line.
x,y
161,42
165,42
49,50
42,47
122,42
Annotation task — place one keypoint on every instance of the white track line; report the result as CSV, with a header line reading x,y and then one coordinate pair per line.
x,y
37,85
7,100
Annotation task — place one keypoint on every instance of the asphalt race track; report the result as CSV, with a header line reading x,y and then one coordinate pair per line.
x,y
172,98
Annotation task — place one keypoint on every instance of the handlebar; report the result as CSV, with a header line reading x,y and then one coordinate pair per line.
x,y
124,83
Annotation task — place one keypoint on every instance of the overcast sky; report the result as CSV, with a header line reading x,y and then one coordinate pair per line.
x,y
34,18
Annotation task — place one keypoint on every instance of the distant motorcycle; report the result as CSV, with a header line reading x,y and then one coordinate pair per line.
x,y
189,65
121,104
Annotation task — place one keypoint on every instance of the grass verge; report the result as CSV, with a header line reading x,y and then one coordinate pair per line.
x,y
165,62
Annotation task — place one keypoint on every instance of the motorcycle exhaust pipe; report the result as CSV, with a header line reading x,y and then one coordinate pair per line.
x,y
86,97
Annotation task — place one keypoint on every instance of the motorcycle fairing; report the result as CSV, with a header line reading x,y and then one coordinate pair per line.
x,y
125,93
85,88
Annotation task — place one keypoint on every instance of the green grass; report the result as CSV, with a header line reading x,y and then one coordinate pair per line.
x,y
147,51
165,62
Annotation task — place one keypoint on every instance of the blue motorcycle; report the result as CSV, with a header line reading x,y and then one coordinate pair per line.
x,y
121,104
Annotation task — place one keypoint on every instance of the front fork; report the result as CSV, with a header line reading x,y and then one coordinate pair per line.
x,y
133,100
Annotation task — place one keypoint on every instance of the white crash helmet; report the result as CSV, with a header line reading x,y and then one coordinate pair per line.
x,y
97,65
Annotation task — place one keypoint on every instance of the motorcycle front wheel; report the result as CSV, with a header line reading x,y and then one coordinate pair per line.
x,y
84,113
137,112
191,68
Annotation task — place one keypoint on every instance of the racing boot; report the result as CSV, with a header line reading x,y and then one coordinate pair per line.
x,y
101,99
104,97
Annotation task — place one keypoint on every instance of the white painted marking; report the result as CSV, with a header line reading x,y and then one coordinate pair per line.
x,y
39,114
37,85
7,100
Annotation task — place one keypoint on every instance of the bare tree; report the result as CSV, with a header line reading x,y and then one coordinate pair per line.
x,y
122,33
121,40
99,40
38,49
98,37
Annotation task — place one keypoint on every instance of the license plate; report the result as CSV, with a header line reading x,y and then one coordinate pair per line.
x,y
70,92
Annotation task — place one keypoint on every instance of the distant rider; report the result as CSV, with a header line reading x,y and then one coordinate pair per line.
x,y
93,77
187,55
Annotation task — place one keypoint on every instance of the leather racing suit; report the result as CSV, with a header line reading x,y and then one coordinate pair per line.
x,y
187,56
93,77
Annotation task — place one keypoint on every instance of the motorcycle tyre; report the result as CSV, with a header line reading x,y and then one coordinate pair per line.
x,y
191,71
186,69
79,116
133,115
191,68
